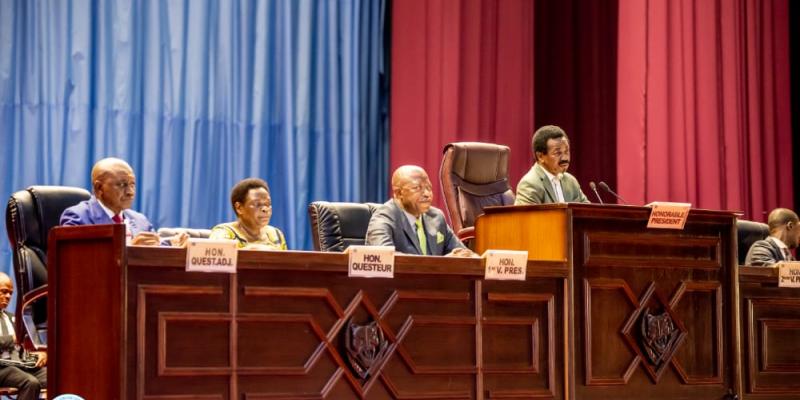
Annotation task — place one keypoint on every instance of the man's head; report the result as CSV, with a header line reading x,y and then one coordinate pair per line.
x,y
114,184
551,149
412,189
783,224
6,290
251,202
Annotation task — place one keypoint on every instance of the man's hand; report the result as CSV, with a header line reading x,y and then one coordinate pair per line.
x,y
41,358
179,240
146,239
462,252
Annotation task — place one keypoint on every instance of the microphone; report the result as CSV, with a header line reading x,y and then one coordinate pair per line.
x,y
608,189
596,193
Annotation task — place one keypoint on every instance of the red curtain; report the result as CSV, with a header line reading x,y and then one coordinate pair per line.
x,y
462,70
703,104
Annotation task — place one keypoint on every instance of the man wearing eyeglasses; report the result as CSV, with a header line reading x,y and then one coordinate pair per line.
x,y
409,222
114,187
548,180
784,236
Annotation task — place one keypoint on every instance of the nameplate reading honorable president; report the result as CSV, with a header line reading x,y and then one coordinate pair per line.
x,y
505,265
211,255
788,274
666,215
370,261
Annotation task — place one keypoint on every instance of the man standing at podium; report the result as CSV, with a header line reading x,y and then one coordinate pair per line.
x,y
548,180
409,222
784,235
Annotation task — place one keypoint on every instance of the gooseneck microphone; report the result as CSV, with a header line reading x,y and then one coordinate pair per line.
x,y
608,189
596,193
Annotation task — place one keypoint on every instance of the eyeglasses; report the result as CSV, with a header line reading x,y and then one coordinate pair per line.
x,y
124,185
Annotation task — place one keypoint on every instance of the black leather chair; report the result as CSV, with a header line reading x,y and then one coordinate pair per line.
x,y
336,226
192,232
747,233
29,216
473,176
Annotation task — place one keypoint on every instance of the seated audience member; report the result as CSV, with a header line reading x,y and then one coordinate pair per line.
x,y
784,235
548,180
27,381
253,207
409,222
114,188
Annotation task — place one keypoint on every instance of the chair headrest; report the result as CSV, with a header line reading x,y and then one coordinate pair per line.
x,y
335,226
479,163
747,233
32,212
192,232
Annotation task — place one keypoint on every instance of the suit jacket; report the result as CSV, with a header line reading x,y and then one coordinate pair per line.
x,y
90,212
764,253
535,188
389,226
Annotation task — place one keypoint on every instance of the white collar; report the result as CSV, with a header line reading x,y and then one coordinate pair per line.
x,y
108,210
550,176
779,242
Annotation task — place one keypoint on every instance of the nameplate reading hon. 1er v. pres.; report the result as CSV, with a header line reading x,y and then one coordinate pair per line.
x,y
505,265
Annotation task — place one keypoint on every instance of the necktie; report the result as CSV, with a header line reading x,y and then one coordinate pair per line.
x,y
117,219
423,242
787,254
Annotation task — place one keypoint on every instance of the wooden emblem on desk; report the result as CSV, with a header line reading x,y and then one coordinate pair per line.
x,y
659,336
366,347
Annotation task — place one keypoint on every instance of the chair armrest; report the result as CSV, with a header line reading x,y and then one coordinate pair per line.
x,y
466,233
27,333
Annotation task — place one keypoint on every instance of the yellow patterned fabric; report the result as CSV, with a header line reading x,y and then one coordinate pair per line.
x,y
273,237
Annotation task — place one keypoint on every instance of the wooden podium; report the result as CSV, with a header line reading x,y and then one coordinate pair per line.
x,y
652,312
131,323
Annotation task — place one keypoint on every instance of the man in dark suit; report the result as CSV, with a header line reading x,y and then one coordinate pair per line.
x,y
409,222
548,180
784,236
27,381
114,187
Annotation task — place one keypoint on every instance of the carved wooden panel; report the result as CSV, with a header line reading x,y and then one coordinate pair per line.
x,y
771,333
277,334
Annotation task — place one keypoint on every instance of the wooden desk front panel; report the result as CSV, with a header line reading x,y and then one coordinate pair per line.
x,y
277,331
770,333
682,279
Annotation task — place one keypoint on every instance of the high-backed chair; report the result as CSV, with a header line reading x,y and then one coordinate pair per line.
x,y
473,176
337,226
192,232
29,216
747,233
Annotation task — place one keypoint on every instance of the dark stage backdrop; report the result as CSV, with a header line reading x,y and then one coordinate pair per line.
x,y
461,71
685,100
197,95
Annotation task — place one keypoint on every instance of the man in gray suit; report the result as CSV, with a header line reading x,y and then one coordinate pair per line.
x,y
409,222
784,235
548,180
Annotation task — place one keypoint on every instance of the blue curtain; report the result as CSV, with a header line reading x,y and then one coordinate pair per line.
x,y
197,95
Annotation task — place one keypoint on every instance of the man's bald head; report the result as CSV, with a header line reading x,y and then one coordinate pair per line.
x,y
784,225
114,183
412,188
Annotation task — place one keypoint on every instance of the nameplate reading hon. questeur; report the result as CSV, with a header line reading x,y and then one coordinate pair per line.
x,y
370,261
505,265
211,255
